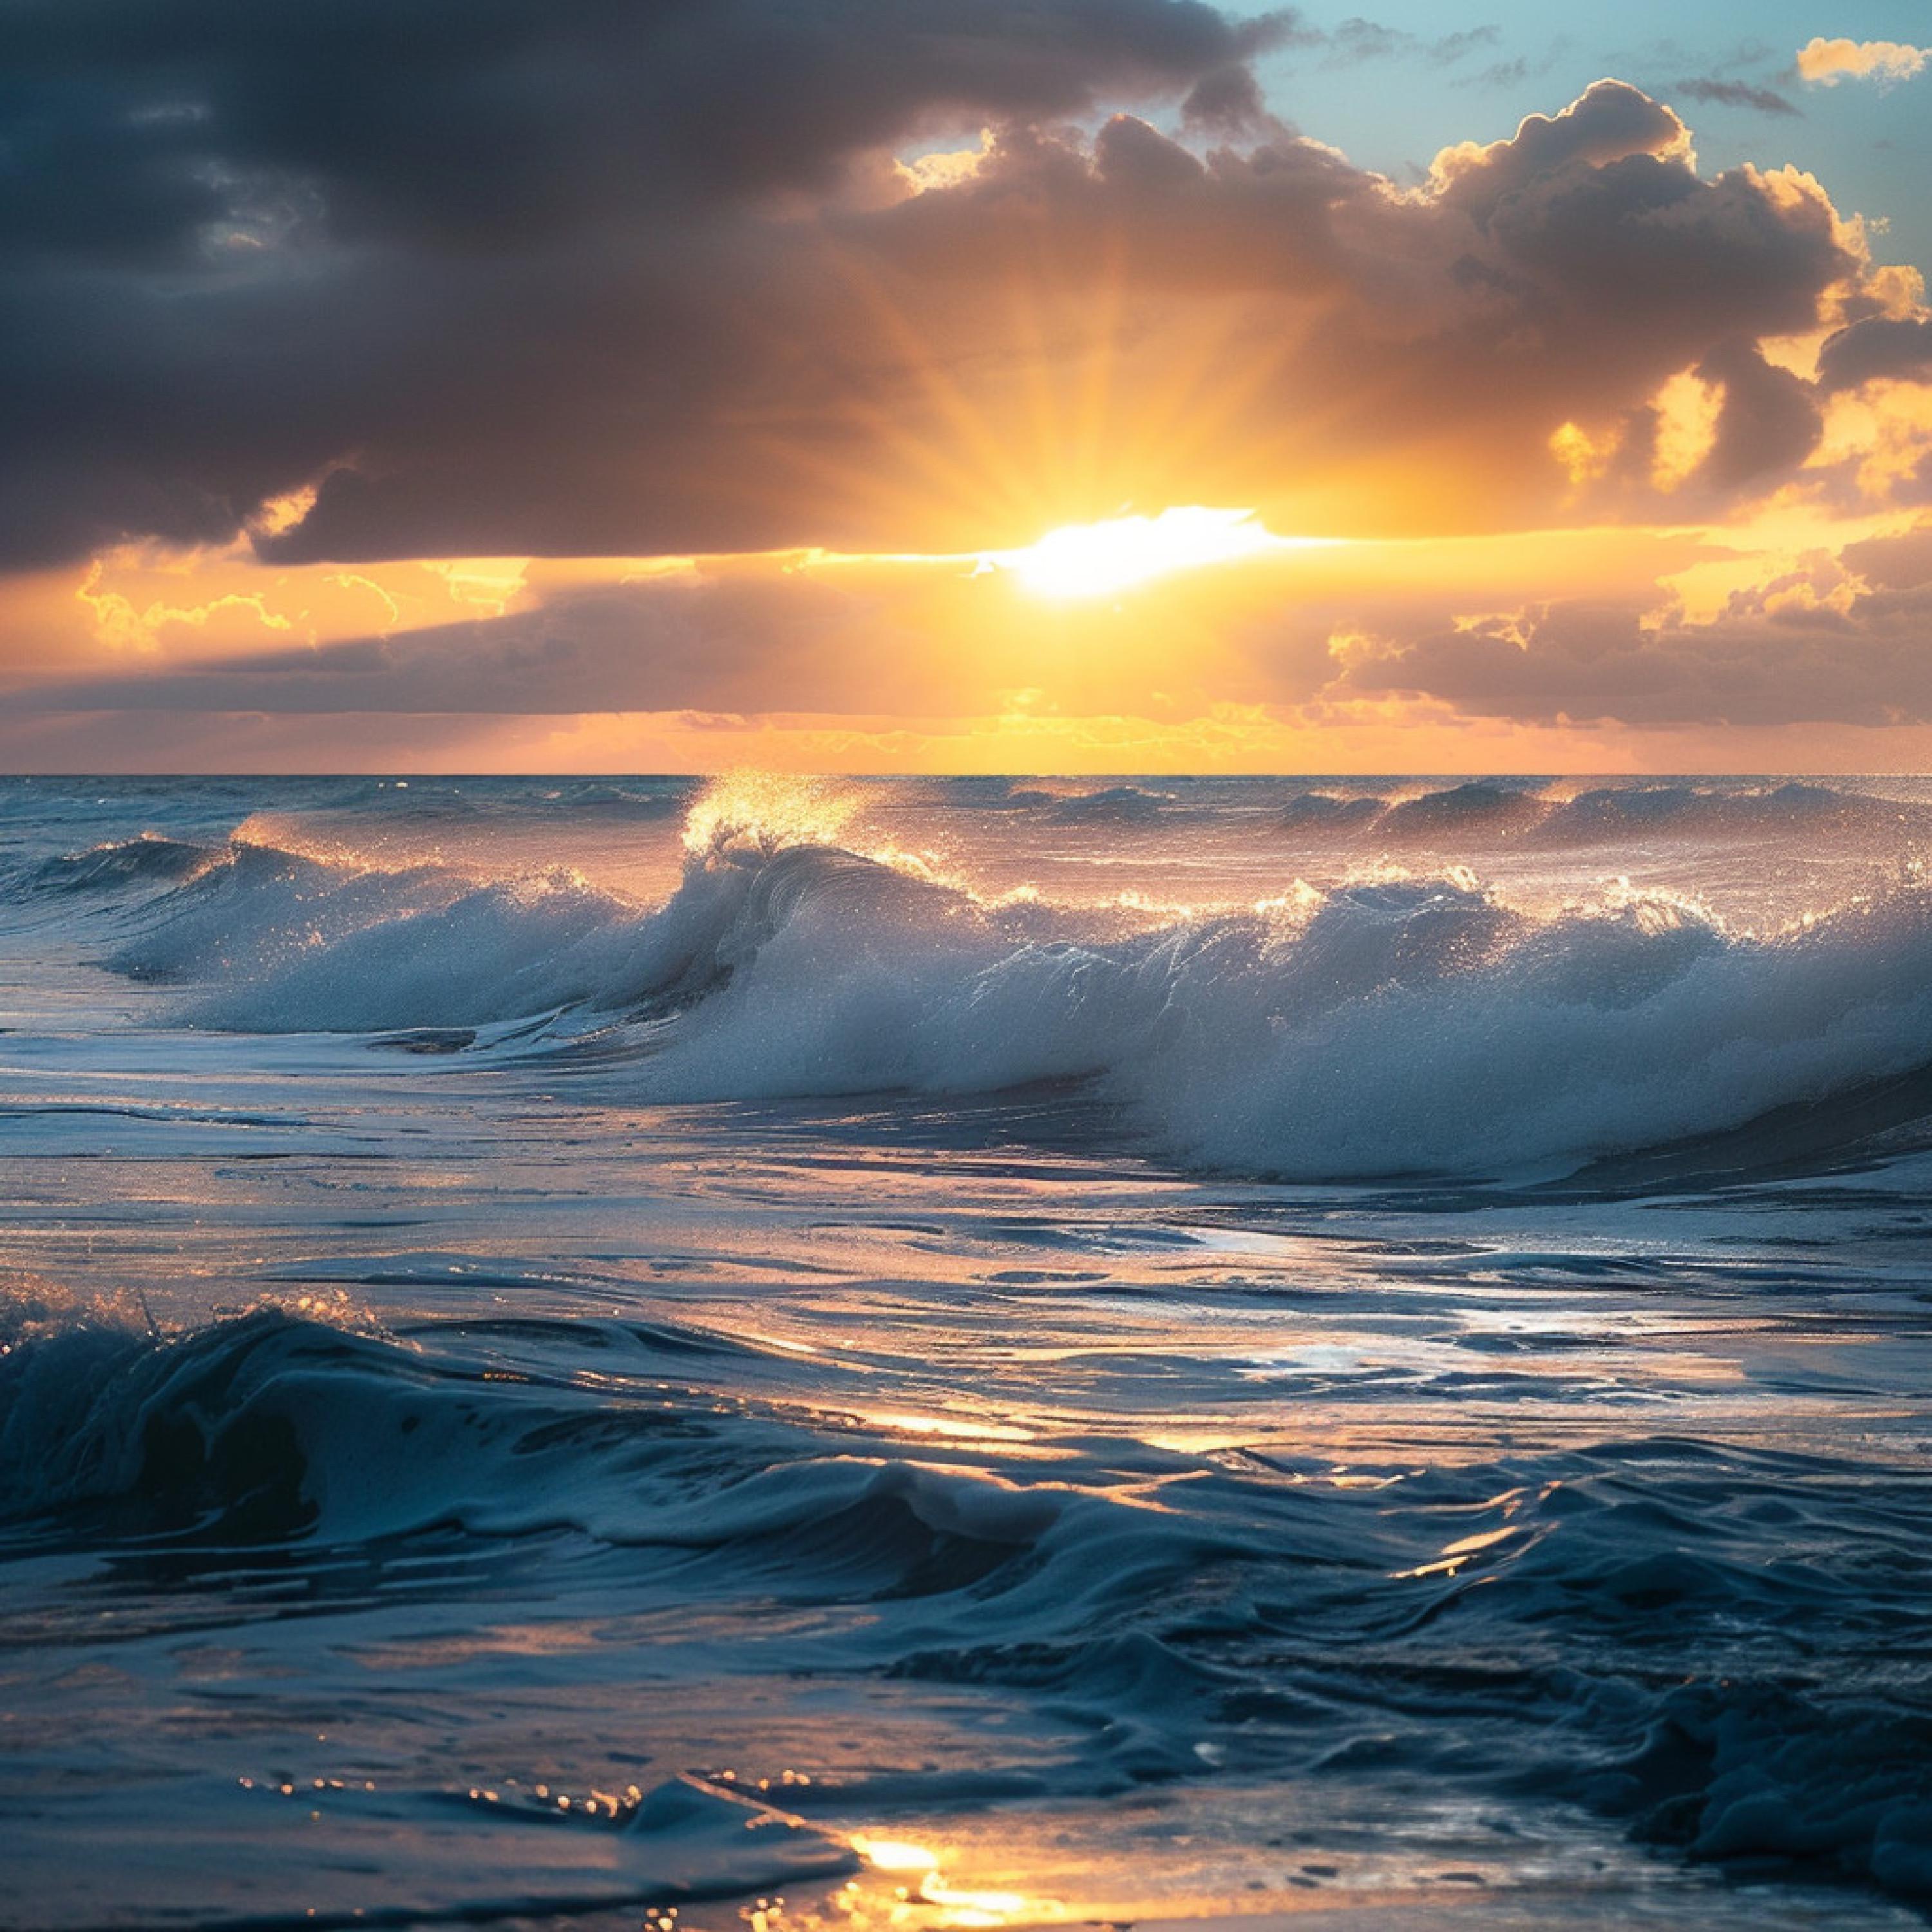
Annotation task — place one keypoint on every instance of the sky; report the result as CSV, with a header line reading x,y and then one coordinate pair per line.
x,y
999,385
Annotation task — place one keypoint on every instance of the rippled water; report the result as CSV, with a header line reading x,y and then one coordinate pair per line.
x,y
1140,1351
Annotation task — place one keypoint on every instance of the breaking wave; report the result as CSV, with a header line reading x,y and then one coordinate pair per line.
x,y
298,1423
1389,1025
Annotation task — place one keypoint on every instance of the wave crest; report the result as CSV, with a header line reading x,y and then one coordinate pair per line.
x,y
150,859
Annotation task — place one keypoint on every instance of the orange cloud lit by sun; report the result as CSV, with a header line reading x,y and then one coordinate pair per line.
x,y
1172,668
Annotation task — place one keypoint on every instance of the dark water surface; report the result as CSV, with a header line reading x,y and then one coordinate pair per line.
x,y
1152,1350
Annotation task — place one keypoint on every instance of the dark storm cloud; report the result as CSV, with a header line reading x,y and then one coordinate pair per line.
x,y
239,241
606,276
470,122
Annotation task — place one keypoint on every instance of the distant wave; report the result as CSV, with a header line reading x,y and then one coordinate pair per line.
x,y
1327,811
1487,810
1443,826
1108,804
1786,810
1375,1028
1479,808
146,860
1116,805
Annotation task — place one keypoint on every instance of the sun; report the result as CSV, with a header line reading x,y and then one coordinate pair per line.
x,y
1097,560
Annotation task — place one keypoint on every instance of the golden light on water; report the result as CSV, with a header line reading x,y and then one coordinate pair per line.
x,y
971,1909
894,1855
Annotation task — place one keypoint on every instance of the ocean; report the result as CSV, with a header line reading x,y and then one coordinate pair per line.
x,y
965,1353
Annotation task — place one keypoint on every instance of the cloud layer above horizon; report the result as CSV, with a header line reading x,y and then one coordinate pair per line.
x,y
300,295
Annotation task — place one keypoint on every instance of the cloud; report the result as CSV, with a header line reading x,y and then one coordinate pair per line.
x,y
1227,103
448,123
1603,631
1610,631
1357,40
909,637
239,243
765,642
1712,92
1828,642
1500,73
1825,63
1451,48
1875,348
1768,420
599,280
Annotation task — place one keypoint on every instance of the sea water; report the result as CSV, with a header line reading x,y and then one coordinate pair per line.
x,y
965,1353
